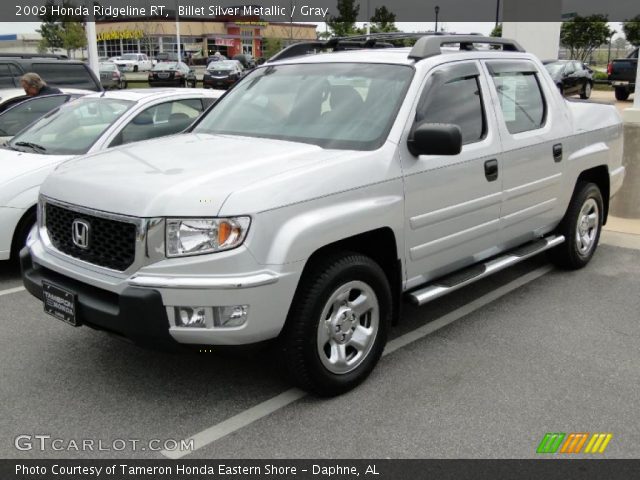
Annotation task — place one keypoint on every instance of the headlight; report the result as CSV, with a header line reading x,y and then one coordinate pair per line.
x,y
197,236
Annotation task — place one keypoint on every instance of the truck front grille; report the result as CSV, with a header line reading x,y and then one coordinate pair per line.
x,y
109,243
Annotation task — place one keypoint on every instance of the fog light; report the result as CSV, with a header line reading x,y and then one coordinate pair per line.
x,y
191,317
233,316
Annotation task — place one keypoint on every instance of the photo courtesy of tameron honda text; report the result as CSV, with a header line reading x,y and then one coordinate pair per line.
x,y
210,256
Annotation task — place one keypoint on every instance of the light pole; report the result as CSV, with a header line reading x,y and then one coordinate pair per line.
x,y
497,12
613,32
437,10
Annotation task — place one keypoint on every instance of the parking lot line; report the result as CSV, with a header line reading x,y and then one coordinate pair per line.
x,y
11,290
274,404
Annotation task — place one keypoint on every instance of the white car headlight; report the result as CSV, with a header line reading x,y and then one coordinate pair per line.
x,y
197,236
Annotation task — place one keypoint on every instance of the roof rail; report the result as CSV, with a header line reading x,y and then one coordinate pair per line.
x,y
428,44
427,47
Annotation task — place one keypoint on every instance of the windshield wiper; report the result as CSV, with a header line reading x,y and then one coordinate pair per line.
x,y
32,146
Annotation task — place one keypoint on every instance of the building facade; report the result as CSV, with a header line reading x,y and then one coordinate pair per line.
x,y
229,36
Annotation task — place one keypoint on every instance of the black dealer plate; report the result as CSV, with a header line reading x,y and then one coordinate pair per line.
x,y
59,303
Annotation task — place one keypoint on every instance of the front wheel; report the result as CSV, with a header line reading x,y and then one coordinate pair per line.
x,y
586,91
581,228
337,326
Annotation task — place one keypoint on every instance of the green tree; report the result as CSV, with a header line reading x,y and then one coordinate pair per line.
x,y
631,29
383,20
345,22
497,31
271,46
73,36
50,31
582,35
60,31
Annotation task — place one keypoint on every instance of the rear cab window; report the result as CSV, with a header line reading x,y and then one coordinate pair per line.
x,y
62,74
520,94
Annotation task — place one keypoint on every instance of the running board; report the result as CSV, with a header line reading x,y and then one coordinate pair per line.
x,y
476,272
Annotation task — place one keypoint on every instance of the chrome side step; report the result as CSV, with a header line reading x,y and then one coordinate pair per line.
x,y
476,272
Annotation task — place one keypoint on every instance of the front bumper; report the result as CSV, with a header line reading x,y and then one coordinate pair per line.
x,y
141,306
136,313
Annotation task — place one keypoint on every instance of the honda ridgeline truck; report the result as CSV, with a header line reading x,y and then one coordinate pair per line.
x,y
321,192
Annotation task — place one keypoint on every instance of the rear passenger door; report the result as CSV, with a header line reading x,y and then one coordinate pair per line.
x,y
452,203
533,156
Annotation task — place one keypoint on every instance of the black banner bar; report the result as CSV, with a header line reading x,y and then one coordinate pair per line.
x,y
547,469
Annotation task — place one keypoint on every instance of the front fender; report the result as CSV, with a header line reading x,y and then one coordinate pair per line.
x,y
294,233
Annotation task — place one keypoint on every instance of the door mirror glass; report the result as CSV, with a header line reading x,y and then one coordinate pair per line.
x,y
435,139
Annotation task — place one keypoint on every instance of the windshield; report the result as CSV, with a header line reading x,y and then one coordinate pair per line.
x,y
108,67
332,105
554,68
129,56
71,129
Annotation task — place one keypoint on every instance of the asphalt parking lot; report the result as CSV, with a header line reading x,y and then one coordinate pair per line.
x,y
482,373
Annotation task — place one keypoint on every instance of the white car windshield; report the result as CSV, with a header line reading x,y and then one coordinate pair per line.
x,y
129,56
71,129
332,105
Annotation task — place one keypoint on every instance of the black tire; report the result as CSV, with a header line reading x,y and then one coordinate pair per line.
x,y
299,344
135,68
586,91
622,93
568,255
25,225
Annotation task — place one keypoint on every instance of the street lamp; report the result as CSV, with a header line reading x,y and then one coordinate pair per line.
x,y
437,10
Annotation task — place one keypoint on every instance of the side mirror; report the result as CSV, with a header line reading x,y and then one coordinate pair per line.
x,y
435,139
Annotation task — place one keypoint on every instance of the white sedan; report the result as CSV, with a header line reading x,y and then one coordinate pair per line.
x,y
90,124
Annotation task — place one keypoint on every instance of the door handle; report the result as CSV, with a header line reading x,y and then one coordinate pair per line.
x,y
491,170
557,152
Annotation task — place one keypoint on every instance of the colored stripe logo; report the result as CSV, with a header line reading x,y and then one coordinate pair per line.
x,y
574,443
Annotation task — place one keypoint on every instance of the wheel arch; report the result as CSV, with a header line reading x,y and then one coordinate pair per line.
x,y
381,246
600,176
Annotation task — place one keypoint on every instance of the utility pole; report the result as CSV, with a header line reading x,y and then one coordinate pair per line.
x,y
178,34
497,13
437,10
92,45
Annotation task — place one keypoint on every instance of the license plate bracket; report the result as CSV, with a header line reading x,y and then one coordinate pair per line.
x,y
60,303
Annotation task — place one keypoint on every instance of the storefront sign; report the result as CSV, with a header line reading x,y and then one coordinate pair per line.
x,y
224,42
120,34
256,24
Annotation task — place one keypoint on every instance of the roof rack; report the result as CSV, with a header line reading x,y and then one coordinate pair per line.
x,y
427,45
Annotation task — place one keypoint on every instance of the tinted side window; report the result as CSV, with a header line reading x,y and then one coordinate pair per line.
x,y
160,120
65,75
6,77
22,115
458,102
521,100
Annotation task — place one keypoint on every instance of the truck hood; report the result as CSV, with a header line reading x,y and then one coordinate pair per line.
x,y
181,175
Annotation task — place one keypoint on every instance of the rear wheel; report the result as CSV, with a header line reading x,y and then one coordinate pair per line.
x,y
586,91
337,326
622,93
581,227
135,68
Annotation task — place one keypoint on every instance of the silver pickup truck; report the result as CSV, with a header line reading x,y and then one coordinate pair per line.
x,y
321,192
